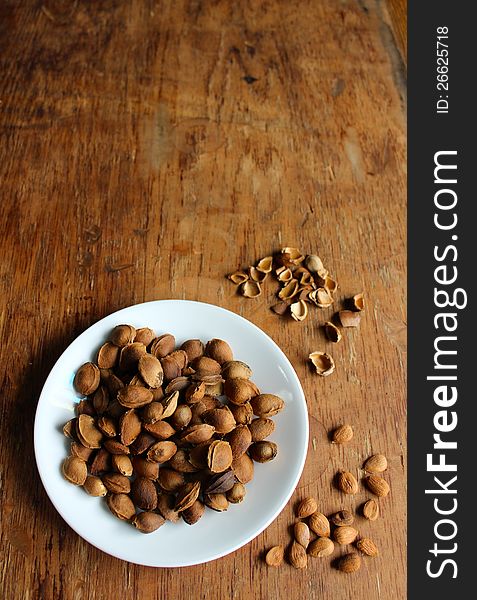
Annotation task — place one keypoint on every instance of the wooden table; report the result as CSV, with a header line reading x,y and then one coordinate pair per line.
x,y
149,148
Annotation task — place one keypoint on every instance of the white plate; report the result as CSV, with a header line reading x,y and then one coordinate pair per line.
x,y
216,534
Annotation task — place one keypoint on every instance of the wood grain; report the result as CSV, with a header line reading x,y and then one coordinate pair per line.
x,y
398,16
148,148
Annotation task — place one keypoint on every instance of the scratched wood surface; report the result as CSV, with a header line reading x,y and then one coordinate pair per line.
x,y
147,149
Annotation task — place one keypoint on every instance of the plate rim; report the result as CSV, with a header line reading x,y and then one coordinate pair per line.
x,y
234,547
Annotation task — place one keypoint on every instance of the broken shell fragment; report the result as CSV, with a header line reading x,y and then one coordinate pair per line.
x,y
136,380
195,392
177,385
358,302
370,510
238,277
304,290
342,518
209,402
169,405
265,264
292,255
299,310
289,290
349,318
251,289
330,284
284,274
305,277
256,275
323,363
332,332
321,297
